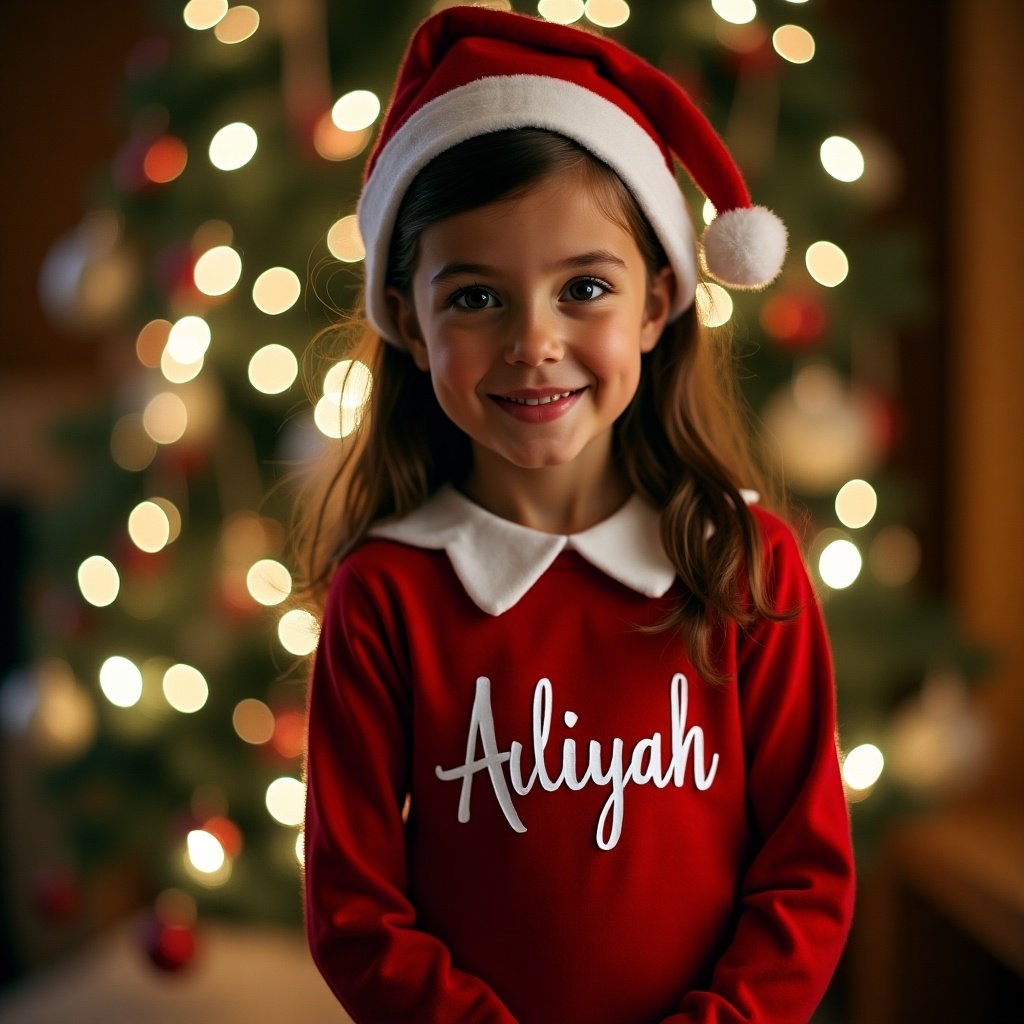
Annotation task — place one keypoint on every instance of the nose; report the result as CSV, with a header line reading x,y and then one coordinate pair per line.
x,y
535,337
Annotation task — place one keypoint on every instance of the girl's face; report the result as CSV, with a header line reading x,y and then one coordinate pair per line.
x,y
531,314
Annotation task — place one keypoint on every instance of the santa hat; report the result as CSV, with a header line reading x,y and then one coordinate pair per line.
x,y
470,71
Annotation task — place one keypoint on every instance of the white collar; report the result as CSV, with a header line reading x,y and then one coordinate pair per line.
x,y
498,561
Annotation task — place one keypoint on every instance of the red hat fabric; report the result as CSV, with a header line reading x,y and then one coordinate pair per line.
x,y
470,71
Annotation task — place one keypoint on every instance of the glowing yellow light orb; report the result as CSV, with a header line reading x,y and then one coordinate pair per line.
x,y
737,12
204,14
827,263
188,340
165,418
239,24
842,158
298,631
276,290
561,12
268,581
253,721
185,688
149,527
286,800
233,146
793,43
351,380
217,271
175,372
98,580
862,766
839,564
333,419
714,304
273,369
356,110
300,848
607,13
344,241
121,681
205,851
856,504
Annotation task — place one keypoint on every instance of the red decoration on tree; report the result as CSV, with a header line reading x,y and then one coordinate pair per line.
x,y
795,321
168,946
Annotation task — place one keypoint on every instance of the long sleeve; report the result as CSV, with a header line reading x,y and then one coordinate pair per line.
x,y
796,896
360,923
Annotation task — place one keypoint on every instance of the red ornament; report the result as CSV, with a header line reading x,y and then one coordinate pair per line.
x,y
794,321
289,738
169,947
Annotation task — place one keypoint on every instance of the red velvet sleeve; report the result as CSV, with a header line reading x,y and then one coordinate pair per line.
x,y
796,896
360,924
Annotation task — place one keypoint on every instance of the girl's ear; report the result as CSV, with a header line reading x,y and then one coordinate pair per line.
x,y
404,315
660,293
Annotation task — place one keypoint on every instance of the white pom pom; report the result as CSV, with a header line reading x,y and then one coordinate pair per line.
x,y
745,247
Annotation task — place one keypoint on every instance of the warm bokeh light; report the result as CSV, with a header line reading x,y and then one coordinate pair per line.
x,y
273,369
334,420
268,581
737,12
607,13
205,851
188,340
344,241
856,504
714,304
286,800
204,14
149,527
165,418
185,688
827,263
130,446
894,555
253,721
165,160
212,233
300,848
276,290
708,211
793,43
233,146
839,564
239,24
217,271
862,766
175,372
298,631
842,158
351,380
334,144
121,681
356,110
98,580
149,344
173,517
561,12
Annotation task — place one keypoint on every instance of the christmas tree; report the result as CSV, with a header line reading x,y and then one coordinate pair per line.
x,y
168,693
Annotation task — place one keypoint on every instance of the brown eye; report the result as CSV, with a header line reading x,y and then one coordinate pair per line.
x,y
586,289
474,298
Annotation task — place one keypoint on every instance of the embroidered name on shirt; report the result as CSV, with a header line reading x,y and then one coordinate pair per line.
x,y
645,764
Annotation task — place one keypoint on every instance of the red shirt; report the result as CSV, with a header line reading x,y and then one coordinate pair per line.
x,y
594,833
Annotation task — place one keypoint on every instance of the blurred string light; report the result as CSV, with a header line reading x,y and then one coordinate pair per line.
x,y
121,681
842,158
344,241
240,23
165,418
796,1
165,160
217,271
233,146
185,688
561,12
203,14
737,12
862,767
856,504
827,263
300,848
205,858
793,43
149,527
356,110
273,369
253,721
98,580
708,211
150,342
176,372
188,339
298,630
276,290
607,13
839,564
714,304
286,799
346,390
334,144
130,446
268,581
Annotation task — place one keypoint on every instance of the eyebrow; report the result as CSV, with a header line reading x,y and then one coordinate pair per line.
x,y
583,259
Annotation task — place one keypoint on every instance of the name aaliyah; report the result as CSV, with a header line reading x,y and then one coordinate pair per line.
x,y
644,765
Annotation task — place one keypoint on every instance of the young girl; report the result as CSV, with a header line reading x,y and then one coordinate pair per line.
x,y
571,726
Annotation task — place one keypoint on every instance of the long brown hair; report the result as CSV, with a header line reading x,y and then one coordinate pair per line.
x,y
686,441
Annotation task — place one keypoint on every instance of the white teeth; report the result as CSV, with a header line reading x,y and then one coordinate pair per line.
x,y
540,401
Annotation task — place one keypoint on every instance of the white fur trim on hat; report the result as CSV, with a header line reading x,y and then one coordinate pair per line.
x,y
523,101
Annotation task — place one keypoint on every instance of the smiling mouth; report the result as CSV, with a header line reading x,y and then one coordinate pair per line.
x,y
545,400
